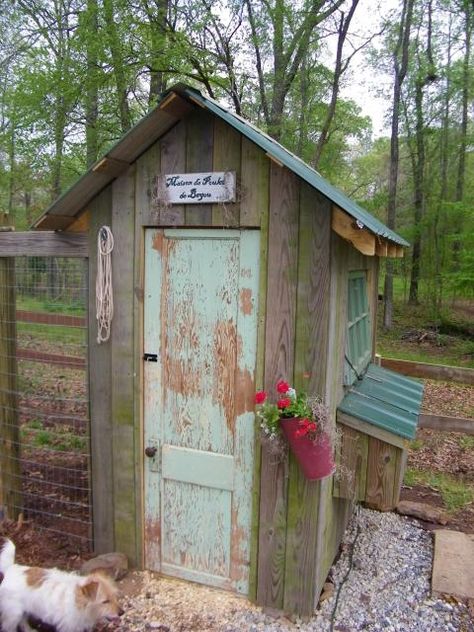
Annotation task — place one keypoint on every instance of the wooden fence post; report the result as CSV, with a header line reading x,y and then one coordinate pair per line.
x,y
10,473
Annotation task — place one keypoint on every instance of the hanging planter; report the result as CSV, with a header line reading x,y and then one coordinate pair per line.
x,y
306,424
314,455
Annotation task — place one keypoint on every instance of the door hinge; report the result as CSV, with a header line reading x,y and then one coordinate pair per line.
x,y
150,357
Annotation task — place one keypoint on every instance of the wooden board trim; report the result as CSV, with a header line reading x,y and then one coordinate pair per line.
x,y
347,228
430,371
447,424
371,430
43,244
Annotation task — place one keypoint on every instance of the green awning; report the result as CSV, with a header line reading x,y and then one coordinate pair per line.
x,y
385,399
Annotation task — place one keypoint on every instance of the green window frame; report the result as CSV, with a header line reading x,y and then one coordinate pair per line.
x,y
359,340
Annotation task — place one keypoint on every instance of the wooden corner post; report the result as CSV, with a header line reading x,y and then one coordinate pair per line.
x,y
10,480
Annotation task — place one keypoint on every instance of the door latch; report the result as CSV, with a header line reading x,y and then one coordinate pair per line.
x,y
150,357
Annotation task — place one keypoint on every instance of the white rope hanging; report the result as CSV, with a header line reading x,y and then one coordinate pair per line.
x,y
104,298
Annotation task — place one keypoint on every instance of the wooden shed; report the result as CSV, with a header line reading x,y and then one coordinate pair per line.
x,y
234,265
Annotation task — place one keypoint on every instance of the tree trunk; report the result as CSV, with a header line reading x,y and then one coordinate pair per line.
x,y
466,72
92,85
418,197
438,223
288,53
118,66
339,69
400,67
158,30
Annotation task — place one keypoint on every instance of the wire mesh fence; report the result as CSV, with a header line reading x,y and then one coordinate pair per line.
x,y
45,460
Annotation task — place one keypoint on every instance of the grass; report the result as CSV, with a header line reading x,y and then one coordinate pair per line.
x,y
456,494
466,442
34,304
60,438
53,334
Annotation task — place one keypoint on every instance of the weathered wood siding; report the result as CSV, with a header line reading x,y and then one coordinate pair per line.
x,y
335,512
100,395
297,526
128,205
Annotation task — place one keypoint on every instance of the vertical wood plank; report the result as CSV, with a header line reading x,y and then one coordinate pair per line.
x,y
173,160
244,446
153,388
10,473
333,513
400,465
122,365
147,170
264,215
226,148
254,185
337,321
100,386
351,478
310,376
381,475
279,364
199,155
373,294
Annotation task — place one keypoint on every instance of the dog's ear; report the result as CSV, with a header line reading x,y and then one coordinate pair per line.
x,y
89,588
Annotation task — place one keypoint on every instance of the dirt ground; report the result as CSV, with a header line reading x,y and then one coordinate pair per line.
x,y
435,451
446,452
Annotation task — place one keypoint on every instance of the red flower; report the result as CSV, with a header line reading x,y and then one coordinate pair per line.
x,y
284,403
260,397
305,427
283,387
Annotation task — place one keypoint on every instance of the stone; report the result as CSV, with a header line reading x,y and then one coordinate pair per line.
x,y
422,511
327,593
453,565
114,565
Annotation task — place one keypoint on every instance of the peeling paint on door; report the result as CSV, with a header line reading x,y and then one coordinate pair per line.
x,y
201,288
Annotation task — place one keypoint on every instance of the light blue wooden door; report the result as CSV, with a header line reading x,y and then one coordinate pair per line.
x,y
201,322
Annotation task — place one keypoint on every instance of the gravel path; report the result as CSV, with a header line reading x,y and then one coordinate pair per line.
x,y
382,583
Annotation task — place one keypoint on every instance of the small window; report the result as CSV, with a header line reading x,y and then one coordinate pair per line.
x,y
359,340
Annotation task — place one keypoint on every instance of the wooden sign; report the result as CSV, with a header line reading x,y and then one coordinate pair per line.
x,y
198,188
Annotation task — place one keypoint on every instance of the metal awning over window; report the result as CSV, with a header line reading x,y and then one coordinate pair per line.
x,y
385,399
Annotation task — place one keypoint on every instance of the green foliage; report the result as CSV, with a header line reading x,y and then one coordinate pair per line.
x,y
455,493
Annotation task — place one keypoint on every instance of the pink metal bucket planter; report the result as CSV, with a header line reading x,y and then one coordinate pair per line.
x,y
315,459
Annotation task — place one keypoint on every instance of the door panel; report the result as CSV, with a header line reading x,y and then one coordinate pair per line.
x,y
201,319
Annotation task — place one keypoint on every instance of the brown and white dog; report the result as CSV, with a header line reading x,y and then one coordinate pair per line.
x,y
64,601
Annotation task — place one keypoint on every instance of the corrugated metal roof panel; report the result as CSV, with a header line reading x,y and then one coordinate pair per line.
x,y
385,399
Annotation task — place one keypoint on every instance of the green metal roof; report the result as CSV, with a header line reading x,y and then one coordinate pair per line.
x,y
385,399
295,164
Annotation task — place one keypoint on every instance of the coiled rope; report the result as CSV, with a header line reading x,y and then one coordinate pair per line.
x,y
104,298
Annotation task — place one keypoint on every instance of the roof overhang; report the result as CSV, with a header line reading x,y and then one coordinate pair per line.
x,y
62,212
349,220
